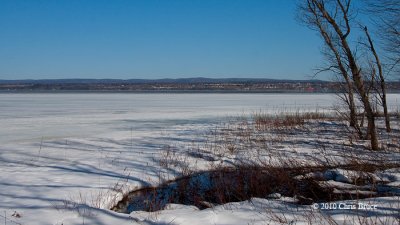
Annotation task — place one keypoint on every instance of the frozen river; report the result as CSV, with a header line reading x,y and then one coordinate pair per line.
x,y
29,117
90,148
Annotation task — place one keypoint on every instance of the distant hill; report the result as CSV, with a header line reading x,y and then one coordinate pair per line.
x,y
149,81
197,84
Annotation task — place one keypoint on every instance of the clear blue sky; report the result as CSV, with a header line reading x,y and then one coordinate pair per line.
x,y
126,39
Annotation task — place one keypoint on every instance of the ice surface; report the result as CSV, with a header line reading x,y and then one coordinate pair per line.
x,y
32,116
62,148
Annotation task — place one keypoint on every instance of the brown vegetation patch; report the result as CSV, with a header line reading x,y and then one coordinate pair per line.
x,y
205,189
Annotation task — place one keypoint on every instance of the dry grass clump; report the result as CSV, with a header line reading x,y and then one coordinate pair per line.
x,y
263,121
226,184
205,189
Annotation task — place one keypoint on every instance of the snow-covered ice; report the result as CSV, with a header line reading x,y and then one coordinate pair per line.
x,y
65,157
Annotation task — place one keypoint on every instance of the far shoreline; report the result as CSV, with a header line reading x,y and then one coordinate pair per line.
x,y
171,92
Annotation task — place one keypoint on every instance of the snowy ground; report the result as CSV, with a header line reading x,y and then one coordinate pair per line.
x,y
66,158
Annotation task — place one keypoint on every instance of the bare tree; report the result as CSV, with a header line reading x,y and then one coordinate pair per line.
x,y
335,59
382,84
331,18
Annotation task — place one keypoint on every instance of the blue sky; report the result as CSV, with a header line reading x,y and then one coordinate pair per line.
x,y
154,39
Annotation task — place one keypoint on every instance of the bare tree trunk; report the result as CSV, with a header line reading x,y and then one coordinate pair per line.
x,y
359,83
382,81
352,108
353,120
335,28
369,112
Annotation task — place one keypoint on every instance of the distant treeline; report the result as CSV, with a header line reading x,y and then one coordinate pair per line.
x,y
180,85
